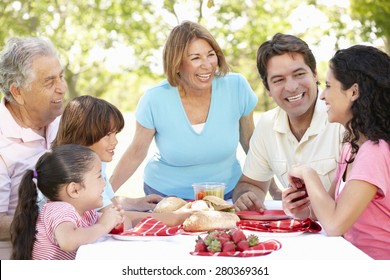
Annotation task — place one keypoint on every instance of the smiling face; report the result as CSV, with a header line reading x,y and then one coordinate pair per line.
x,y
198,66
105,147
292,85
94,183
43,98
338,101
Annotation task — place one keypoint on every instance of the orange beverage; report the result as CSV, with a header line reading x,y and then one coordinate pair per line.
x,y
208,188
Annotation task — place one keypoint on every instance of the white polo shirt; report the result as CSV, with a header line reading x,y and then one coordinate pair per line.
x,y
20,149
274,149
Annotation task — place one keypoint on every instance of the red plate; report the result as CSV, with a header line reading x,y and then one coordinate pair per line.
x,y
267,215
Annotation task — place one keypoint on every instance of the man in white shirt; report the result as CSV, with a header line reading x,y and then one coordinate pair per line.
x,y
297,131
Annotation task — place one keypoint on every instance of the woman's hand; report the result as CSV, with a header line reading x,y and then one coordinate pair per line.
x,y
293,205
147,203
143,204
295,199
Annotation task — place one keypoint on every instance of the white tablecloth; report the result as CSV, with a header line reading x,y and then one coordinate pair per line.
x,y
308,246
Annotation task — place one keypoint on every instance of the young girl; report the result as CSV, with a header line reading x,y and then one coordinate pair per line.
x,y
94,122
70,178
358,204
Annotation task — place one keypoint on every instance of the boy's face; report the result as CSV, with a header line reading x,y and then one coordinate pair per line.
x,y
105,147
292,84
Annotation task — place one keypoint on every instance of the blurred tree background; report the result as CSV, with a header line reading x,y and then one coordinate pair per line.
x,y
113,48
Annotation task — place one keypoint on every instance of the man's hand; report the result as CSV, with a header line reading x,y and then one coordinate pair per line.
x,y
249,201
249,194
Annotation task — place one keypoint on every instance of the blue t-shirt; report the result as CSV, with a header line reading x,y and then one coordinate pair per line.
x,y
184,156
108,192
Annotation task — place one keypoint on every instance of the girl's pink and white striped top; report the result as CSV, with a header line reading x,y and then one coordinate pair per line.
x,y
52,214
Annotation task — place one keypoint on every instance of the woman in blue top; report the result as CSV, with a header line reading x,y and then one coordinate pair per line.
x,y
197,117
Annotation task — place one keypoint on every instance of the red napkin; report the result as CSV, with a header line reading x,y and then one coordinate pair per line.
x,y
291,225
266,247
152,227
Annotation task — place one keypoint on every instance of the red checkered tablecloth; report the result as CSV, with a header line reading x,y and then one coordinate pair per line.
x,y
290,225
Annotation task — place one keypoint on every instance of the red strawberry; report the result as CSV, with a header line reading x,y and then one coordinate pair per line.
x,y
215,246
237,235
224,234
242,245
210,236
200,246
228,246
208,239
223,239
118,229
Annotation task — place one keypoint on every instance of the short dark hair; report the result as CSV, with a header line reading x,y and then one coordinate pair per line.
x,y
281,44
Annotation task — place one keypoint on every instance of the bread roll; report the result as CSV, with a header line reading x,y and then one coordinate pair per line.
x,y
219,204
210,220
169,204
197,205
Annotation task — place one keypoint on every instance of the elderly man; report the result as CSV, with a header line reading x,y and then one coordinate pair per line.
x,y
32,81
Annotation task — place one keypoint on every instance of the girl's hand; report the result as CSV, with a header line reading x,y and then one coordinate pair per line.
x,y
111,217
294,199
294,205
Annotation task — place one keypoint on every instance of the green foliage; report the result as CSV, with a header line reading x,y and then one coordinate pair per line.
x,y
374,16
90,34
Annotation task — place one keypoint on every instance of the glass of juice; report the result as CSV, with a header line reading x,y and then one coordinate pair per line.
x,y
208,188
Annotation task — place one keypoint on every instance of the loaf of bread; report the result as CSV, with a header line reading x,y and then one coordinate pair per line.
x,y
169,204
210,220
197,205
218,203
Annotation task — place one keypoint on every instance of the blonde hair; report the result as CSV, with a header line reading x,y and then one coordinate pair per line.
x,y
177,45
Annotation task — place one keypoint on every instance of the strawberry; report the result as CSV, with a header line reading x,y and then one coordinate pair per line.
x,y
237,235
213,234
224,234
215,246
200,195
228,246
118,229
253,240
200,246
209,238
223,239
242,245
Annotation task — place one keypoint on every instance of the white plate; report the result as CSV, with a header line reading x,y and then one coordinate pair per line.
x,y
142,238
